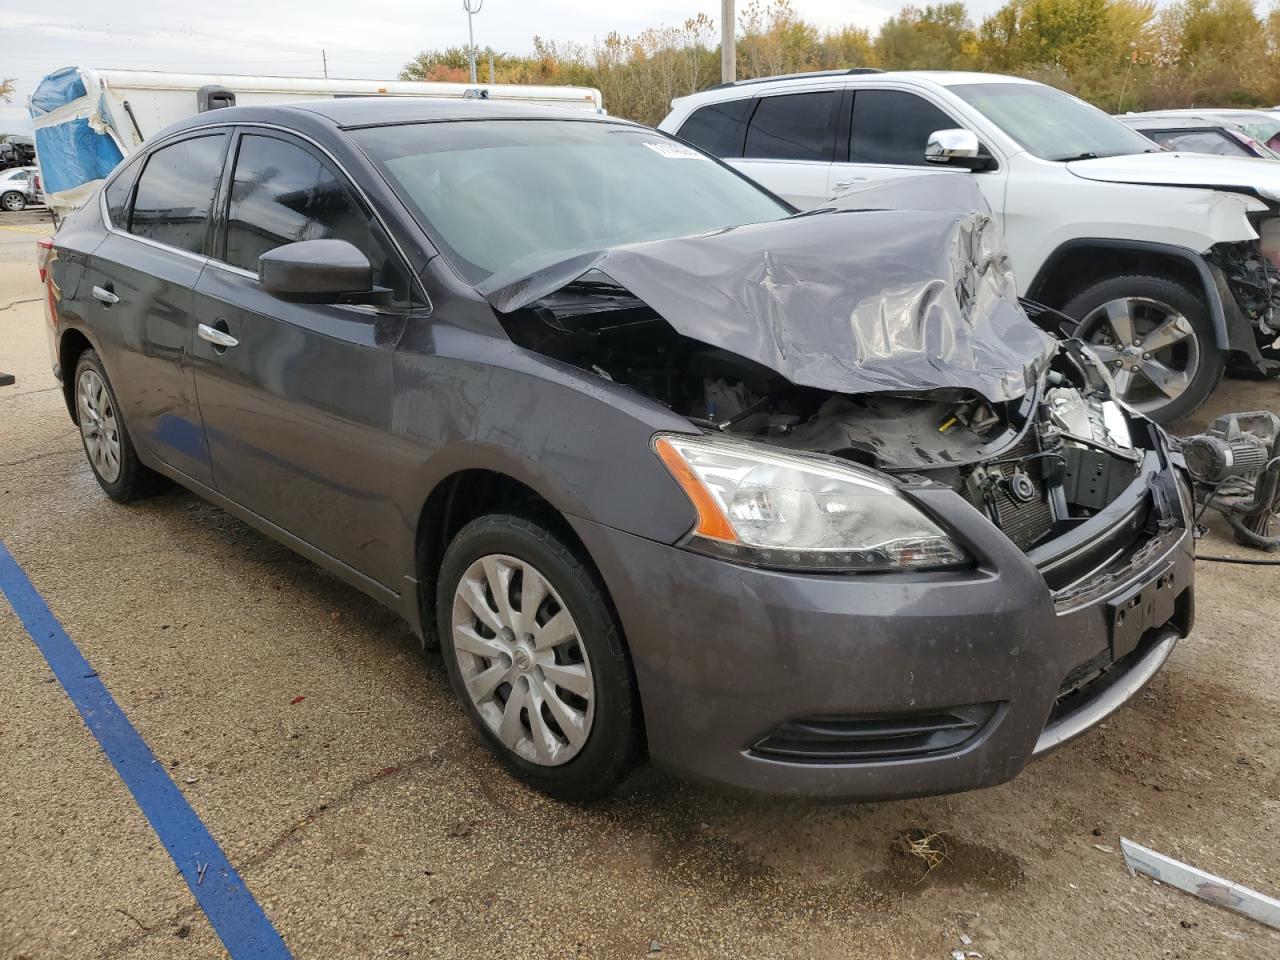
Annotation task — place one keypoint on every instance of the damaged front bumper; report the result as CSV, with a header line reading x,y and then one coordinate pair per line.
x,y
895,685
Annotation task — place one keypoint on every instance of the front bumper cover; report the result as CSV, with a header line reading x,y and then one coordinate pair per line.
x,y
724,653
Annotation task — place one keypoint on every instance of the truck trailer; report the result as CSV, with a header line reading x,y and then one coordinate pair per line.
x,y
86,120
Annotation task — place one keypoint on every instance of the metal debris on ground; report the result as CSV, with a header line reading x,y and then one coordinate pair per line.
x,y
1206,886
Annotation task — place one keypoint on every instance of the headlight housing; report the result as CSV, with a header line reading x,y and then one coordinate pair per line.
x,y
775,509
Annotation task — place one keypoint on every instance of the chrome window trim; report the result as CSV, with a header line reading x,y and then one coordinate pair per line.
x,y
222,264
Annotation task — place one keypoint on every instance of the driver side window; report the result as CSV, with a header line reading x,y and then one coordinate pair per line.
x,y
893,127
282,193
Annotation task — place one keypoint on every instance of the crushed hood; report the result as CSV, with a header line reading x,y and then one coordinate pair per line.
x,y
903,285
1238,174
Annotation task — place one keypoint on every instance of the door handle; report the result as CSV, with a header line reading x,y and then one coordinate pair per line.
x,y
851,182
219,338
105,295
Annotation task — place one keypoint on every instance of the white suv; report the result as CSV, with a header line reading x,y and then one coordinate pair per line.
x,y
1168,260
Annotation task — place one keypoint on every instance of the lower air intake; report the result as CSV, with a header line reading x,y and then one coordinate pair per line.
x,y
860,739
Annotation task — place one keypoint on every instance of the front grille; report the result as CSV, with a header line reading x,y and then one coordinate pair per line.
x,y
1023,523
831,739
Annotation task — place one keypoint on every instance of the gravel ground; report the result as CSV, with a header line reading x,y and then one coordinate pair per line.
x,y
369,822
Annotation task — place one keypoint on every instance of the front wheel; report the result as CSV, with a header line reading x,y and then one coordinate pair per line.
x,y
536,658
13,201
1157,339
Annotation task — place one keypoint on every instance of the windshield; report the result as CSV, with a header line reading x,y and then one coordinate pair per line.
x,y
1262,129
518,195
1051,124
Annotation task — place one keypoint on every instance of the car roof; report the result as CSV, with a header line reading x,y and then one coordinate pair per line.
x,y
1172,121
354,112
762,85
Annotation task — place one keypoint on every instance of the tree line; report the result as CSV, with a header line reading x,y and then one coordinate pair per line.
x,y
1118,54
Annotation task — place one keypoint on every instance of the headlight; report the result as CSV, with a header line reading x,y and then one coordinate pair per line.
x,y
782,510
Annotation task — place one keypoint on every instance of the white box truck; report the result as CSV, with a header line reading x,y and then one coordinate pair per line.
x,y
87,120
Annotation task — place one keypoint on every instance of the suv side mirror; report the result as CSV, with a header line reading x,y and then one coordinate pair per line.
x,y
318,271
957,148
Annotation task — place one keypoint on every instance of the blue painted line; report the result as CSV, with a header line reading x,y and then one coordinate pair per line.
x,y
236,917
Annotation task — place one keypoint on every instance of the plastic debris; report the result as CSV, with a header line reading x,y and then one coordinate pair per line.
x,y
1206,886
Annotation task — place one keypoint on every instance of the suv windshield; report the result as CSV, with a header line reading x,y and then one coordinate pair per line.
x,y
513,196
1051,124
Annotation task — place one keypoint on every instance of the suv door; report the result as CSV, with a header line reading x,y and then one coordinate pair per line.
x,y
298,409
143,276
789,144
888,131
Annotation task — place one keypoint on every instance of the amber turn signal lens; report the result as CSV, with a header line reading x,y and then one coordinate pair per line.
x,y
711,519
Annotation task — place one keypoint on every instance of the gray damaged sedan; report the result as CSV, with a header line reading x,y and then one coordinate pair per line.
x,y
795,503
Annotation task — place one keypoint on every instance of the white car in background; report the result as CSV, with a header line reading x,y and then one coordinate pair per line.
x,y
19,188
1171,262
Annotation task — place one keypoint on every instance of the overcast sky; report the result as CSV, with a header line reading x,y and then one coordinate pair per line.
x,y
369,39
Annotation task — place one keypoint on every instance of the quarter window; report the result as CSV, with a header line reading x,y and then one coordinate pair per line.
x,y
282,193
175,193
716,128
796,126
893,127
119,193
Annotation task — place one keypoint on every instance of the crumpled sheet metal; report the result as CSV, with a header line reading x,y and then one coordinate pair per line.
x,y
854,299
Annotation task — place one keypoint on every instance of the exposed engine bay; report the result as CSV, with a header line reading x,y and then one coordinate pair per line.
x,y
1033,464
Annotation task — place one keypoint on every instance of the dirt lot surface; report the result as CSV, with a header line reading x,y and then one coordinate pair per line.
x,y
325,754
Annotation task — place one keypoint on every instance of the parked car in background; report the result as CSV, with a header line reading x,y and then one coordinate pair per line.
x,y
1198,134
802,504
19,188
17,150
1261,125
1203,133
1168,261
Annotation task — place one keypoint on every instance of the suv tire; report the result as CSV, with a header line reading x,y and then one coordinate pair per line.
x,y
1122,315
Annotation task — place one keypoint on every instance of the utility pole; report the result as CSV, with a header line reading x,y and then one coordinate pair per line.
x,y
472,7
491,80
325,60
728,43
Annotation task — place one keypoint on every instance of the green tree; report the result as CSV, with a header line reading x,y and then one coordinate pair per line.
x,y
939,37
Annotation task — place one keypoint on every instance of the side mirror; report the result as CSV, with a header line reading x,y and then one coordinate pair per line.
x,y
317,271
957,148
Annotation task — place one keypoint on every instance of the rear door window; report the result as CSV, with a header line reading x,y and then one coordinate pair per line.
x,y
283,193
893,127
717,127
795,126
175,192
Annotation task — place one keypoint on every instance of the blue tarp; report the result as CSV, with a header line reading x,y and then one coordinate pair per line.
x,y
72,153
57,89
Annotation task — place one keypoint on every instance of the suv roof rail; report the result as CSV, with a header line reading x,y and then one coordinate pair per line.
x,y
852,71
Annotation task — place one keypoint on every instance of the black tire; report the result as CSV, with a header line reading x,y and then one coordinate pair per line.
x,y
1172,296
134,480
613,744
13,201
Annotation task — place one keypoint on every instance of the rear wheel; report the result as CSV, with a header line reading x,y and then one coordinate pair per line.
x,y
13,201
106,439
535,656
1156,338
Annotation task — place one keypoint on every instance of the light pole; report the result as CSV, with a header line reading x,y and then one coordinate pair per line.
x,y
472,7
728,45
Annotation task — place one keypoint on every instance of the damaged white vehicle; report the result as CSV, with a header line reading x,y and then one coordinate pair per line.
x,y
1168,261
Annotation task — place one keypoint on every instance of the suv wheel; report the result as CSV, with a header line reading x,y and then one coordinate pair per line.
x,y
1156,338
536,657
106,439
13,201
